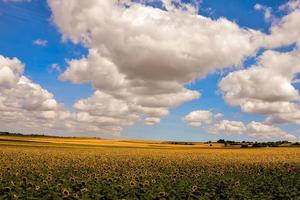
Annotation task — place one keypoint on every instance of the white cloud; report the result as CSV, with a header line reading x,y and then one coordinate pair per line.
x,y
10,71
267,88
213,123
140,58
23,102
102,106
151,121
40,42
285,31
27,107
198,118
267,132
269,80
227,127
130,60
147,80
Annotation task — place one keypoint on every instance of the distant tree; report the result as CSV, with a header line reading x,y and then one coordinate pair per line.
x,y
221,141
296,144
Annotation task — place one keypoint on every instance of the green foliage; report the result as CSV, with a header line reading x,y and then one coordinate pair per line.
x,y
248,144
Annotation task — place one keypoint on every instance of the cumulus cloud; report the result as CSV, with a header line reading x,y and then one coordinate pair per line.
x,y
267,88
227,127
213,123
40,42
10,71
266,132
130,60
286,30
266,85
198,118
148,69
140,58
26,107
104,108
22,101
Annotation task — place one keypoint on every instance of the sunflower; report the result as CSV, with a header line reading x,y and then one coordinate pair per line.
x,y
162,194
24,179
194,188
37,188
84,190
132,183
65,192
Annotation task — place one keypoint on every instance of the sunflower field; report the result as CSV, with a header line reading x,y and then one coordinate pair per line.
x,y
34,172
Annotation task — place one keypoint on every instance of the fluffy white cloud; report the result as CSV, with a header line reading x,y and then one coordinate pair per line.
x,y
267,88
285,31
146,69
144,56
27,107
215,124
10,71
23,102
198,118
140,58
267,132
103,108
227,127
201,118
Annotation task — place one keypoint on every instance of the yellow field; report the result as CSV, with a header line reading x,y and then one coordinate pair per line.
x,y
104,142
67,168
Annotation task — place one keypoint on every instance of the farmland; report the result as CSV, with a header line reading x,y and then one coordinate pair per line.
x,y
82,168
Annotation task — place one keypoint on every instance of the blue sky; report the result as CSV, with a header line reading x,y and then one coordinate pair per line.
x,y
24,22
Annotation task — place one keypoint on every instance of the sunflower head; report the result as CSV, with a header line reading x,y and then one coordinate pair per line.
x,y
162,194
65,192
194,188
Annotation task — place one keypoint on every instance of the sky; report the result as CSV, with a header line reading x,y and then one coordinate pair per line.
x,y
185,70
